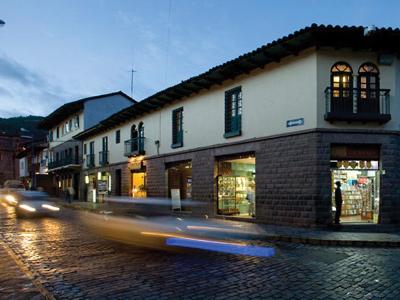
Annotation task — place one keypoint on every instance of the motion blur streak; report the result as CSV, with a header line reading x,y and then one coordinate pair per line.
x,y
177,234
27,207
210,228
51,207
231,248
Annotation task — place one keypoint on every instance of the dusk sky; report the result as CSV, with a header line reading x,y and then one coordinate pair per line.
x,y
52,52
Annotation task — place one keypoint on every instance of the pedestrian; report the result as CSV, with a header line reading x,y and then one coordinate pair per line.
x,y
66,193
338,202
71,194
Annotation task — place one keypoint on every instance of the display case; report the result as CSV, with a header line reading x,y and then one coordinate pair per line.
x,y
232,195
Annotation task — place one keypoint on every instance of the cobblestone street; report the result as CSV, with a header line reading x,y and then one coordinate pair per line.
x,y
70,263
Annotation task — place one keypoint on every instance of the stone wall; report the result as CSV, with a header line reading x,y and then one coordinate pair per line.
x,y
293,177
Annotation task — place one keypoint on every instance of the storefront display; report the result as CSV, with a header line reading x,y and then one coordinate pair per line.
x,y
236,186
360,190
139,185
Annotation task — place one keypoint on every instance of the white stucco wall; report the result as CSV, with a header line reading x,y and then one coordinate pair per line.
x,y
67,136
272,96
291,89
326,59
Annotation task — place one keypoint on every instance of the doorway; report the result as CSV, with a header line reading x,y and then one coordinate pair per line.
x,y
139,185
118,182
179,177
360,185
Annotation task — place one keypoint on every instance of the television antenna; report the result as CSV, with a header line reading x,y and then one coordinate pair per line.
x,y
132,71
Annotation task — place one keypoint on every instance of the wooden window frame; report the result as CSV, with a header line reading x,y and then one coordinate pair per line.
x,y
233,112
118,136
177,128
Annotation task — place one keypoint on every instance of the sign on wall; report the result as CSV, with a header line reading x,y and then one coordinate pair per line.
x,y
295,122
102,186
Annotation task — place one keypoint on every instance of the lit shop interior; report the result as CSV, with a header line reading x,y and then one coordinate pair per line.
x,y
179,176
139,184
98,186
236,186
360,182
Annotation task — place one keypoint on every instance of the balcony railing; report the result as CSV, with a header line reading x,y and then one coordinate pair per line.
x,y
67,161
90,161
103,158
357,105
134,147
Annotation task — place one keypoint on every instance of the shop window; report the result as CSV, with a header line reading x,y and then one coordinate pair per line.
x,y
341,87
233,112
139,184
236,186
177,128
360,189
118,136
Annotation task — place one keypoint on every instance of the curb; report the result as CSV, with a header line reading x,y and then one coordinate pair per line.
x,y
30,274
294,239
342,243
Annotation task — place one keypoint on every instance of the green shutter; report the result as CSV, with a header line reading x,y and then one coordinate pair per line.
x,y
177,128
233,119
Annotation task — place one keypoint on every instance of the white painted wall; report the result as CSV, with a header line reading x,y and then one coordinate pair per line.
x,y
326,59
291,89
271,96
68,136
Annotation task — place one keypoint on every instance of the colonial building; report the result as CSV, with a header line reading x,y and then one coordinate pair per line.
x,y
33,166
8,162
68,120
265,136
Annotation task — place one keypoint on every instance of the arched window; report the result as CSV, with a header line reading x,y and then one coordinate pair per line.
x,y
141,130
341,87
368,88
141,136
368,80
134,138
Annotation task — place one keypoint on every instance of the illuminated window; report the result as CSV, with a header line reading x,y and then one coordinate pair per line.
x,y
341,80
368,81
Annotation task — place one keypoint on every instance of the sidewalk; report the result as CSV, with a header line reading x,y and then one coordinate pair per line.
x,y
345,235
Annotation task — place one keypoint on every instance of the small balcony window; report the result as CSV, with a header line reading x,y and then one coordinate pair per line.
x,y
177,128
233,112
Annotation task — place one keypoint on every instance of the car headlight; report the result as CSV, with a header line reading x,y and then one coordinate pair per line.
x,y
51,207
11,199
27,207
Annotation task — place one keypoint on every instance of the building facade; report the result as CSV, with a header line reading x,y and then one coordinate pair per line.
x,y
9,169
265,136
65,153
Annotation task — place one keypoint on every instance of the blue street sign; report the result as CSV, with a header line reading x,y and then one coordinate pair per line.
x,y
295,122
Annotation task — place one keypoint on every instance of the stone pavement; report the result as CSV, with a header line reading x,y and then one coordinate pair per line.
x,y
72,263
14,283
345,235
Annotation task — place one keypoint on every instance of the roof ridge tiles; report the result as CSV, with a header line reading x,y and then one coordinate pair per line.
x,y
305,37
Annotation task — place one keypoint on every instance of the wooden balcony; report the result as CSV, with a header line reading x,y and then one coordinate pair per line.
x,y
356,105
134,147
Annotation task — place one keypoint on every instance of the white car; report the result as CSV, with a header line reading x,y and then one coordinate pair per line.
x,y
10,188
34,203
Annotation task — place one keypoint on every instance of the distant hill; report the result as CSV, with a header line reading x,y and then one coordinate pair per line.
x,y
12,126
